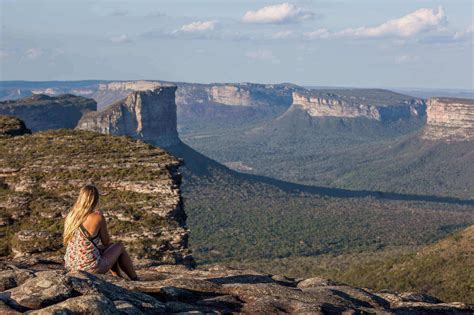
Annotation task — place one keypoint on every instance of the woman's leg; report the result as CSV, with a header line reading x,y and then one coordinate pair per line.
x,y
126,265
116,253
114,270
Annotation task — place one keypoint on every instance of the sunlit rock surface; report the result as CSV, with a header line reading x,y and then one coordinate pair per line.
x,y
449,119
381,105
42,287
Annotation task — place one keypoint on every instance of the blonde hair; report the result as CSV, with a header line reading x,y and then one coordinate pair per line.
x,y
86,202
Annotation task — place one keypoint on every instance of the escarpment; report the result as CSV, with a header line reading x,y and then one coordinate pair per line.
x,y
42,112
379,105
146,115
41,174
235,94
449,119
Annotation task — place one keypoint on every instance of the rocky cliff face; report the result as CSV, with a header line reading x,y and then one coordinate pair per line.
x,y
230,95
146,115
449,119
377,105
235,94
40,176
42,112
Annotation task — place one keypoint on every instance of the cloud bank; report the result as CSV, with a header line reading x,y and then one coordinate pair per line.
x,y
423,20
419,21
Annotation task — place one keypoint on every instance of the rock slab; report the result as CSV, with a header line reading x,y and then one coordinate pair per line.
x,y
170,289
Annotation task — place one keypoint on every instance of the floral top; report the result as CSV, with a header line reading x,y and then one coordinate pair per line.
x,y
82,252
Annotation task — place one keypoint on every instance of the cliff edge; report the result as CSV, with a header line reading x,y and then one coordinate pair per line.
x,y
380,105
40,177
148,115
449,119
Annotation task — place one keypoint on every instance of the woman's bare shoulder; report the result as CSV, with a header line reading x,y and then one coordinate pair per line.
x,y
94,218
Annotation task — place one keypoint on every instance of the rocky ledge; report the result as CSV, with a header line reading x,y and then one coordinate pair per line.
x,y
40,177
40,286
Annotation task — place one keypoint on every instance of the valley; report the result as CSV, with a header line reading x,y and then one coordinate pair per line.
x,y
313,186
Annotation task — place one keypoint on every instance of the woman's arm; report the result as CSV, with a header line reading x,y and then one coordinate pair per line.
x,y
104,232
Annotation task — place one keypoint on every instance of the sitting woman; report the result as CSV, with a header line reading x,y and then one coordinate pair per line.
x,y
83,229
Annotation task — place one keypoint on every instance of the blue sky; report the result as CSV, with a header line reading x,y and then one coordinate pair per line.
x,y
416,43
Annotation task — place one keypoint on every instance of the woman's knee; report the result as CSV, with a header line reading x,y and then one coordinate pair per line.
x,y
120,246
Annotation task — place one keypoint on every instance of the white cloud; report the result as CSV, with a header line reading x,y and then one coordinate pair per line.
x,y
319,33
262,54
414,23
120,39
34,53
278,14
199,26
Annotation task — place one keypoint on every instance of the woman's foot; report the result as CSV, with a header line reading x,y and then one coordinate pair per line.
x,y
116,274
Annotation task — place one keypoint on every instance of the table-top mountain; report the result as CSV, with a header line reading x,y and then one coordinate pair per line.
x,y
42,112
449,119
148,115
381,105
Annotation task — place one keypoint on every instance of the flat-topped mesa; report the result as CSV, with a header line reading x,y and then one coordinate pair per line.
x,y
449,119
381,105
236,94
42,112
146,115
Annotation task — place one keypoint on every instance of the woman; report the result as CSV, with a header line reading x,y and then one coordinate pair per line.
x,y
83,229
